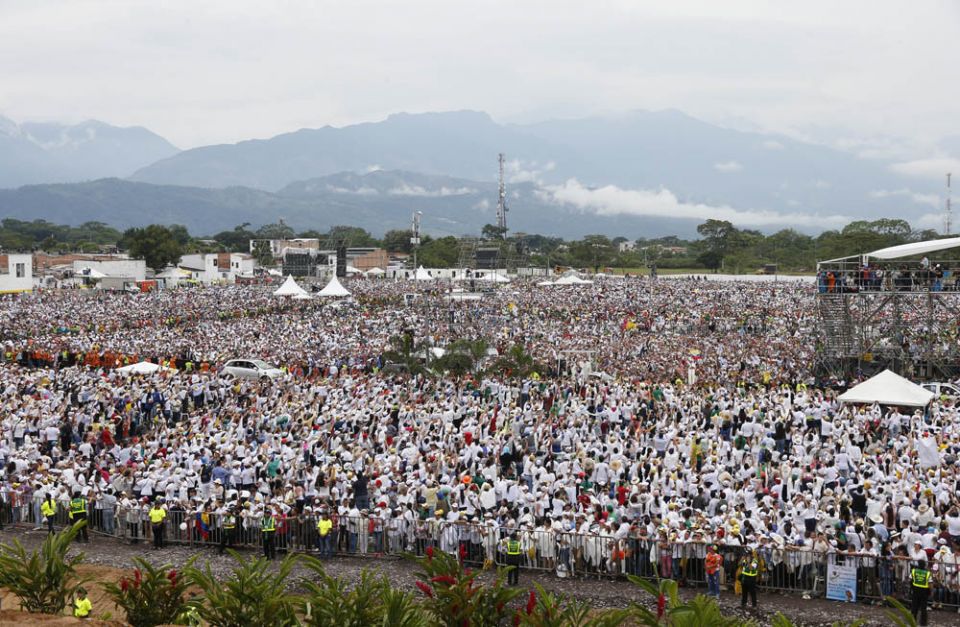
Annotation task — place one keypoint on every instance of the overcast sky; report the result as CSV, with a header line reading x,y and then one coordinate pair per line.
x,y
206,71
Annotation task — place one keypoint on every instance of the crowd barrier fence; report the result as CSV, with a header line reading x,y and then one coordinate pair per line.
x,y
568,554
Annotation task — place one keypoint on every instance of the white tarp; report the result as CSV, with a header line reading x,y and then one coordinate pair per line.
x,y
334,288
143,367
888,388
289,288
572,279
928,452
916,248
494,277
422,275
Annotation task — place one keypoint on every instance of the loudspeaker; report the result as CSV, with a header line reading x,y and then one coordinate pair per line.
x,y
341,261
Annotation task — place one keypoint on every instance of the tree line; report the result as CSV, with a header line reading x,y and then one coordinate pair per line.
x,y
721,245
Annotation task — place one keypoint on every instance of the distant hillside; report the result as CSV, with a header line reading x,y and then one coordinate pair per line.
x,y
378,201
636,151
56,153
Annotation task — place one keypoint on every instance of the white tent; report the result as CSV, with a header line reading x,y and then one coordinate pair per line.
x,y
302,297
375,272
289,288
888,388
422,275
572,279
143,367
545,283
334,288
916,248
495,278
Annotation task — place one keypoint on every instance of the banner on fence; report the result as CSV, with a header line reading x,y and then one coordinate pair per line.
x,y
842,582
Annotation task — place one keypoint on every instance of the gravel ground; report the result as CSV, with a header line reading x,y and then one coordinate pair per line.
x,y
601,593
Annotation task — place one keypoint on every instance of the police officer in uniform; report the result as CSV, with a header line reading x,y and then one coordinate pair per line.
x,y
228,529
268,529
920,586
78,511
749,570
513,559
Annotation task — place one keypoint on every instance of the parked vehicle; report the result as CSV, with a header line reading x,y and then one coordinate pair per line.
x,y
250,369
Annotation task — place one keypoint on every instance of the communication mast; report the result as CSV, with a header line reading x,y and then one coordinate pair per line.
x,y
502,203
949,218
415,235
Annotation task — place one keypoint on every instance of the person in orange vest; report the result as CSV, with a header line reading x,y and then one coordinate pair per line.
x,y
713,563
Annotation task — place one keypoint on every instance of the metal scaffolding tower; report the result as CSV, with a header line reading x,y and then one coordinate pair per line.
x,y
502,203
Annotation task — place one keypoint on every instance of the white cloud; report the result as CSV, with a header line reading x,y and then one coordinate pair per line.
x,y
612,200
932,200
771,144
373,168
481,205
360,191
727,166
417,190
933,169
517,171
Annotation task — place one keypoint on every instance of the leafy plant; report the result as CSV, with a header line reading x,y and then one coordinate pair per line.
x,y
455,598
154,596
43,580
253,594
549,610
901,615
372,601
702,610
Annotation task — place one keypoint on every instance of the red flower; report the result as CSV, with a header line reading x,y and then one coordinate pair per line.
x,y
661,605
531,602
137,578
124,585
424,588
516,619
172,576
429,552
447,579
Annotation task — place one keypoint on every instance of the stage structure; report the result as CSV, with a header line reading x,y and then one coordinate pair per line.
x,y
896,308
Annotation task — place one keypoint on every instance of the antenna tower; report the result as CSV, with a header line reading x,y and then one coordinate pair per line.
x,y
949,219
502,203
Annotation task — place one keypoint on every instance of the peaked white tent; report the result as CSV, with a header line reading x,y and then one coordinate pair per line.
x,y
572,279
375,272
333,289
422,275
143,367
888,388
289,288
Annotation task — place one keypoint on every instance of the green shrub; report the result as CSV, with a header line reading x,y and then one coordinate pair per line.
x,y
154,596
372,601
454,596
43,580
253,594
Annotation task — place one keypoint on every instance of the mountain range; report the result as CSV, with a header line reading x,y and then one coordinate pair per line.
x,y
637,174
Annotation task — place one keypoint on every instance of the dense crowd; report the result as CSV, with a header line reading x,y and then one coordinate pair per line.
x,y
668,414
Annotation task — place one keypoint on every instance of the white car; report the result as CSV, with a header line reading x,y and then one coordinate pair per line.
x,y
250,369
942,389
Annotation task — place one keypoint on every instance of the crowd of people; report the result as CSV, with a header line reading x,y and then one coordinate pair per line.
x,y
660,422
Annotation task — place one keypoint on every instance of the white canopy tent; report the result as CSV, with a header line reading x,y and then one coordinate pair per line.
x,y
916,248
572,279
888,388
422,275
143,367
289,288
494,277
302,297
375,272
334,289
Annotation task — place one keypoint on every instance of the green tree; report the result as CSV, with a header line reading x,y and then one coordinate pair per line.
x,y
398,241
262,253
155,244
492,231
718,235
352,236
236,240
443,252
275,231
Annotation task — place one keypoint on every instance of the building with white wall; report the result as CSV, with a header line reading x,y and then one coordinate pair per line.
x,y
16,273
217,267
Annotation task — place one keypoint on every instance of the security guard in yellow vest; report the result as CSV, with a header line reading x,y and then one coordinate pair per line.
x,y
228,529
324,526
81,604
78,512
920,586
268,529
513,552
49,509
157,515
749,570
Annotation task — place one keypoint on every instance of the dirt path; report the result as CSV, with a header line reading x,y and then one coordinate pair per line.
x,y
106,558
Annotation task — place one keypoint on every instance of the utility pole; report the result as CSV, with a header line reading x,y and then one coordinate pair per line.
x,y
415,236
502,203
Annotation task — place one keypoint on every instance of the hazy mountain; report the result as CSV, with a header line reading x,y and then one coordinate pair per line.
x,y
34,152
378,201
700,162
